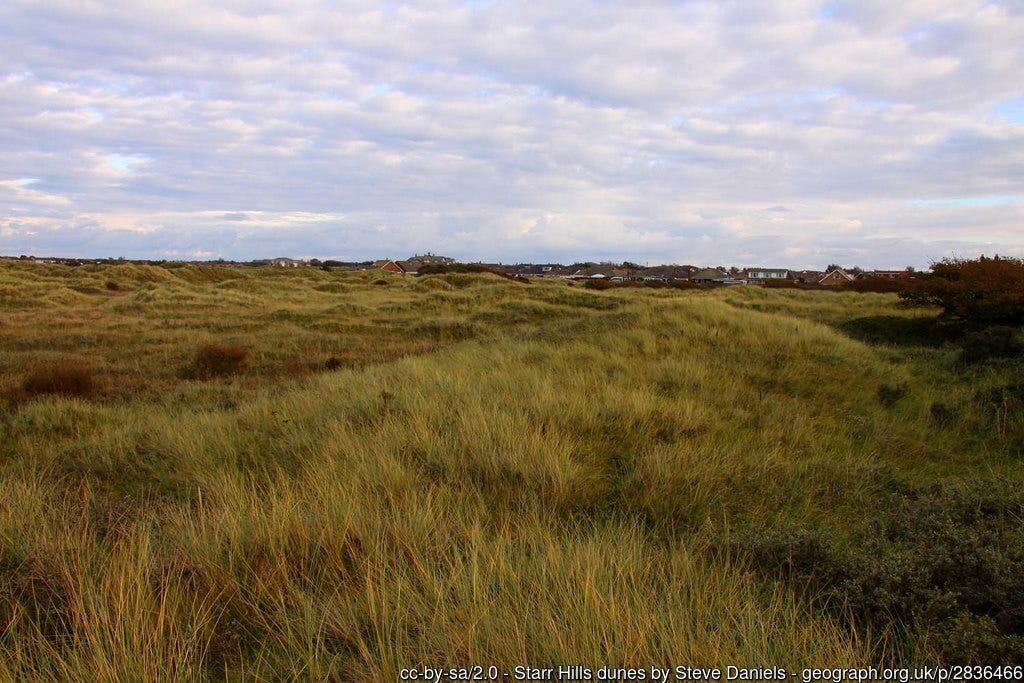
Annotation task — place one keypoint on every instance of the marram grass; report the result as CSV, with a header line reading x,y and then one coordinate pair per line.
x,y
498,474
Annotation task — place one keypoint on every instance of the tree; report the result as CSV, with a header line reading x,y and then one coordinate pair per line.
x,y
978,293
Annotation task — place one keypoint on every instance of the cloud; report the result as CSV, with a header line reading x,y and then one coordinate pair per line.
x,y
504,131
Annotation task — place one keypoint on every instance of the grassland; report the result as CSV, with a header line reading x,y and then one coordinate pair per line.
x,y
464,469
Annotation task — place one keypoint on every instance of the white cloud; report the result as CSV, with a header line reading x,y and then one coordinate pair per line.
x,y
649,130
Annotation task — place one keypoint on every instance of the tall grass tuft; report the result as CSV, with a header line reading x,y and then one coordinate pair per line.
x,y
217,360
64,377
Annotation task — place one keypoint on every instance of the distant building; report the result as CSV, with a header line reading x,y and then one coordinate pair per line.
x,y
835,278
600,272
714,276
287,263
541,270
663,273
888,274
390,266
761,275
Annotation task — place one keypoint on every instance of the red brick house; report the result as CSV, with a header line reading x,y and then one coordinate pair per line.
x,y
836,277
389,266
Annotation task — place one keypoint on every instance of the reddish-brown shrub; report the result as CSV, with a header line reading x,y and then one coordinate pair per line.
x,y
877,285
217,360
782,284
981,292
61,377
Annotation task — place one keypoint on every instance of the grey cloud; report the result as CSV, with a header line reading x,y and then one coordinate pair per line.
x,y
648,130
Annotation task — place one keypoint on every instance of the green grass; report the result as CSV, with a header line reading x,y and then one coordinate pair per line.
x,y
499,473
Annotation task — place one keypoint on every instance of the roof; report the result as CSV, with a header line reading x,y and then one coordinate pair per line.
x,y
666,272
761,269
838,272
600,271
710,274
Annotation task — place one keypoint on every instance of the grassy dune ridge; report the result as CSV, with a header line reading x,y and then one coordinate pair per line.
x,y
498,473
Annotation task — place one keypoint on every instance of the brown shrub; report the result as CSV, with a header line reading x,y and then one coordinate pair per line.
x,y
62,377
217,360
877,285
979,293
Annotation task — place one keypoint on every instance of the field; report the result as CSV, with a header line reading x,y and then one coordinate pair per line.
x,y
293,474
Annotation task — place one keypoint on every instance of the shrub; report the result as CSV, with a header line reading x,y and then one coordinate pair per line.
x,y
900,330
889,394
469,268
443,268
62,377
947,562
782,284
683,284
602,284
998,341
217,360
878,285
598,284
941,414
986,291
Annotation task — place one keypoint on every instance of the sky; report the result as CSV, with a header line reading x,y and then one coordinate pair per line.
x,y
791,134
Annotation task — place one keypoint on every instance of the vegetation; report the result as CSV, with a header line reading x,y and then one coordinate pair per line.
x,y
457,468
981,292
62,377
603,284
947,561
216,360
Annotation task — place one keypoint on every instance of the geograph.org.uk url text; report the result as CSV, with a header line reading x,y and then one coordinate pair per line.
x,y
568,673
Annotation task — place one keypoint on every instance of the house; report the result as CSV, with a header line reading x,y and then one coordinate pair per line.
x,y
287,263
410,265
600,272
715,276
835,278
541,270
808,277
887,275
762,275
390,266
429,259
664,273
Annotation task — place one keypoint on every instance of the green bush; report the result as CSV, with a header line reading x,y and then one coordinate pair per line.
x,y
941,414
889,394
998,341
901,330
946,562
600,284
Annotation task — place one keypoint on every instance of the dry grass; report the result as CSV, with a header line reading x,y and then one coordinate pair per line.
x,y
491,473
61,377
217,360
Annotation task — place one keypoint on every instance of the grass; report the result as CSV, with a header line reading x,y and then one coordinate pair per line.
x,y
489,472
